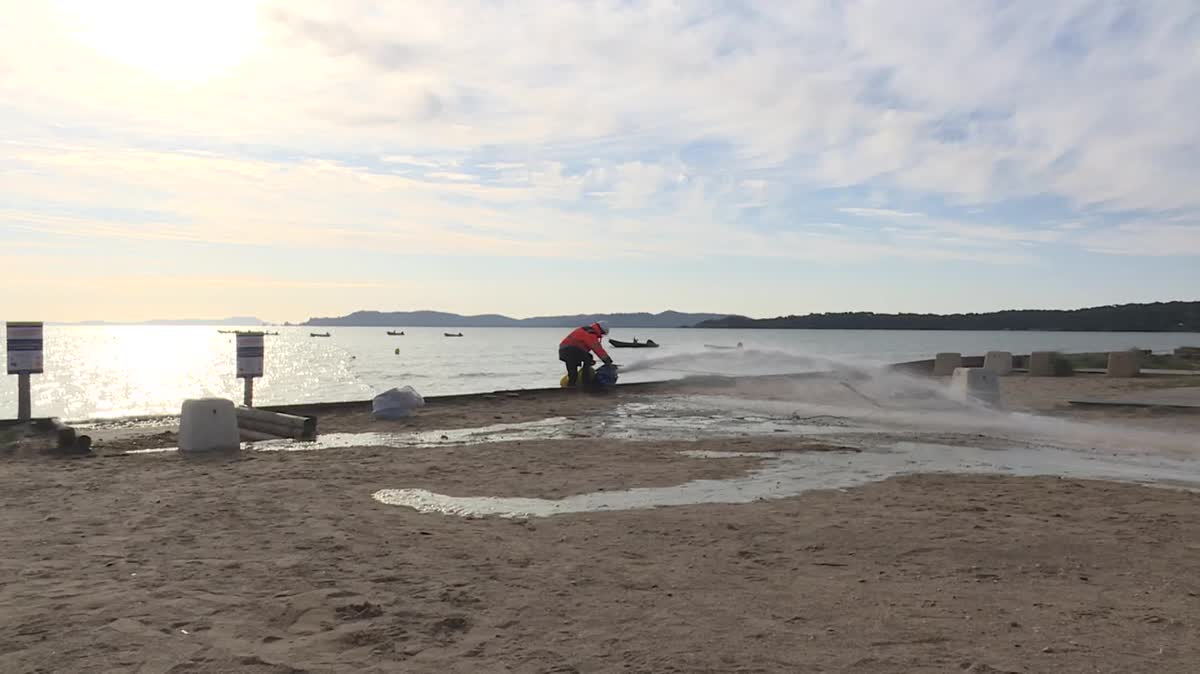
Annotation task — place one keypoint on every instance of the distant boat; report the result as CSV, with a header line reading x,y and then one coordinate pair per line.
x,y
318,334
393,333
718,346
648,344
449,334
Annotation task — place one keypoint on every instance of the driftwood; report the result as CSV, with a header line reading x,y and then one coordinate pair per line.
x,y
276,424
247,435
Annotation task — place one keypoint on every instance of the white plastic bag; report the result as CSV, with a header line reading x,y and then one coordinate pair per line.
x,y
396,403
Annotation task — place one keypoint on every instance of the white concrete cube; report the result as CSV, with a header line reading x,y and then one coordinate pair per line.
x,y
945,364
1124,364
1000,362
1041,364
208,424
978,383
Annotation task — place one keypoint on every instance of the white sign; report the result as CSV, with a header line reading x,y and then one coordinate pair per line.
x,y
249,355
24,347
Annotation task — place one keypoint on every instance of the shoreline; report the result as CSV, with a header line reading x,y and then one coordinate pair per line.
x,y
700,381
275,561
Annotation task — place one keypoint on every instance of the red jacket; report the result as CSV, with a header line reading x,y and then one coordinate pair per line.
x,y
586,338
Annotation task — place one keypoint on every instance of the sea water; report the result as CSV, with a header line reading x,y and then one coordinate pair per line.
x,y
117,371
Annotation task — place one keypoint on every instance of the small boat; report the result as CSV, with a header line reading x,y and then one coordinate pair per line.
x,y
393,333
648,344
718,346
318,334
451,334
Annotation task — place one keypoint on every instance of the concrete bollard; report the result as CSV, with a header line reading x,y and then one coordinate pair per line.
x,y
208,424
945,363
1000,362
979,383
1124,364
1041,364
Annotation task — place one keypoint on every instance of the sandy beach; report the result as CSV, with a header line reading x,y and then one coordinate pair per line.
x,y
281,561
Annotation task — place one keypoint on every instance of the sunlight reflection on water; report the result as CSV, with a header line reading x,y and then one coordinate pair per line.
x,y
115,371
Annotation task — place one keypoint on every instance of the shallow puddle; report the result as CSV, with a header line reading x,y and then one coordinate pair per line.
x,y
792,473
663,420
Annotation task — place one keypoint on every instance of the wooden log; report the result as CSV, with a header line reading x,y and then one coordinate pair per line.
x,y
278,423
63,434
248,435
265,427
274,417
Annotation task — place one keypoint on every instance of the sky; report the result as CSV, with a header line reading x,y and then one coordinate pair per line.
x,y
294,158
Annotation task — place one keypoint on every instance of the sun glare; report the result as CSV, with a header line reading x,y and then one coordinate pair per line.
x,y
177,40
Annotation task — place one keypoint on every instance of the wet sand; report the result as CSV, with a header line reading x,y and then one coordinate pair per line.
x,y
1038,395
282,562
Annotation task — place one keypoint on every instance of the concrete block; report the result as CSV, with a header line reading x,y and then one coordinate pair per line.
x,y
1000,362
945,363
978,383
1124,364
208,424
1041,364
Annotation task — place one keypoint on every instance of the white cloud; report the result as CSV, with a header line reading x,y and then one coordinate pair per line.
x,y
881,213
330,207
525,133
414,161
1158,239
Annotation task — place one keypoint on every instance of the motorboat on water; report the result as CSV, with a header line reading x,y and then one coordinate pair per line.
x,y
318,334
452,334
635,344
247,332
393,333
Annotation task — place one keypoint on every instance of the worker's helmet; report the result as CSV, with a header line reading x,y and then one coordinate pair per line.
x,y
602,326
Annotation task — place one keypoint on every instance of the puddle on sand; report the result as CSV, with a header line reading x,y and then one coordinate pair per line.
x,y
793,473
663,420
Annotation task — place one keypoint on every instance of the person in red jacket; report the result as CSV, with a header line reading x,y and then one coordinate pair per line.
x,y
576,350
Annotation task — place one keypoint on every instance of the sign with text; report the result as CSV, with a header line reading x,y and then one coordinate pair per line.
x,y
24,347
249,355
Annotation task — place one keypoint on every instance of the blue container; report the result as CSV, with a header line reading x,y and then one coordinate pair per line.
x,y
606,375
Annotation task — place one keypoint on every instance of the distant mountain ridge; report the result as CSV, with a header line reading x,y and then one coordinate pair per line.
x,y
441,319
1151,317
233,320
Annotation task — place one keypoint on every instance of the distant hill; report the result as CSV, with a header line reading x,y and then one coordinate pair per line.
x,y
439,319
1154,317
234,320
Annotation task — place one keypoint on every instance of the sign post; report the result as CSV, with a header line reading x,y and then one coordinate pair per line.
x,y
24,359
249,362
